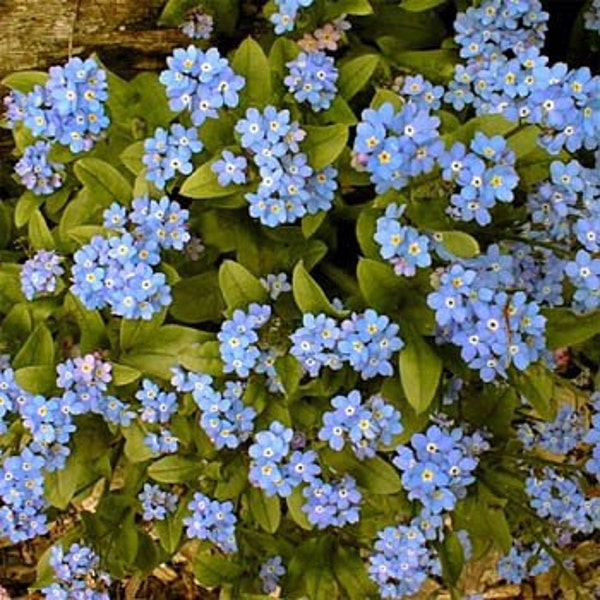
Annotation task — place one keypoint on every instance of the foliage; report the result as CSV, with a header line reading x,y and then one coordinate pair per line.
x,y
301,309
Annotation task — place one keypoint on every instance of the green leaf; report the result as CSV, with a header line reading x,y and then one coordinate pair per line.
x,y
487,124
37,350
324,144
381,288
204,358
295,502
169,532
27,204
365,230
420,5
453,558
174,12
384,96
347,7
133,333
495,518
40,379
131,157
290,373
251,62
350,571
311,223
524,141
82,234
91,325
308,294
203,183
103,179
175,469
282,51
266,510
320,584
420,372
436,65
212,570
197,299
158,355
122,375
374,474
239,286
39,234
136,449
60,486
310,571
356,73
537,386
459,243
564,328
25,81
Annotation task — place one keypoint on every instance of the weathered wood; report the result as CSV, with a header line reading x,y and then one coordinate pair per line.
x,y
38,33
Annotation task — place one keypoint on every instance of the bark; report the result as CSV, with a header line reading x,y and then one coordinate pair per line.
x,y
35,34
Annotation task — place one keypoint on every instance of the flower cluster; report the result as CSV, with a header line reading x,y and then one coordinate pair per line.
x,y
213,521
78,574
230,169
22,492
312,77
119,271
402,245
562,500
402,561
157,504
438,466
333,504
225,419
554,208
289,188
284,18
561,436
238,337
506,73
157,407
201,82
492,327
524,561
169,153
39,274
273,468
270,573
484,176
326,37
416,89
394,146
68,109
364,426
584,274
51,425
198,24
366,341
85,380
37,171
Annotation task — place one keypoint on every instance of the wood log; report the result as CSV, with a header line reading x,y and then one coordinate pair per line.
x,y
35,34
38,33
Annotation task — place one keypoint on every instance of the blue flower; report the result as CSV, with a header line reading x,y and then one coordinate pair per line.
x,y
230,168
312,77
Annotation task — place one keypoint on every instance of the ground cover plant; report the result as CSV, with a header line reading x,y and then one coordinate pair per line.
x,y
305,306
